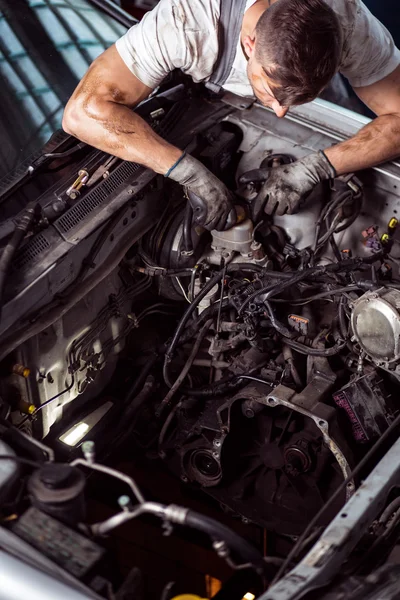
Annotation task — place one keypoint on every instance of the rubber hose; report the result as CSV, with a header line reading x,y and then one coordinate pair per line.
x,y
303,349
186,316
10,249
218,532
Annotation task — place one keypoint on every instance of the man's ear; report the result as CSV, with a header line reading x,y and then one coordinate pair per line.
x,y
249,45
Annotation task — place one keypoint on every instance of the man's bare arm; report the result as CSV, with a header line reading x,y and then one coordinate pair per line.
x,y
378,141
99,113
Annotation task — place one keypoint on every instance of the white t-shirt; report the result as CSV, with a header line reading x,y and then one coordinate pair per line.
x,y
183,34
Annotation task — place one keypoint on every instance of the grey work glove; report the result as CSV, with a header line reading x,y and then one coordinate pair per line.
x,y
285,188
210,199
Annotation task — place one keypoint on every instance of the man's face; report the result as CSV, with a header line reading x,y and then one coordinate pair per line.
x,y
262,88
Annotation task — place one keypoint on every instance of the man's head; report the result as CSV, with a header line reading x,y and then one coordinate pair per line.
x,y
293,53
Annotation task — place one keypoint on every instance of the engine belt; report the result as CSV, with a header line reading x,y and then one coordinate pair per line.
x,y
230,23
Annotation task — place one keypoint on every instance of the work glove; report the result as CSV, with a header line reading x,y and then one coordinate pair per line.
x,y
210,199
285,188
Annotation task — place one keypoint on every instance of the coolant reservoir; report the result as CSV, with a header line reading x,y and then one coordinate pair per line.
x,y
237,239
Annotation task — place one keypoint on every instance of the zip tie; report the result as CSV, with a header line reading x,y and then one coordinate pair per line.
x,y
168,173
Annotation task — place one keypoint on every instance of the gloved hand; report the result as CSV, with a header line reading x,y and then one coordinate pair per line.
x,y
210,199
285,188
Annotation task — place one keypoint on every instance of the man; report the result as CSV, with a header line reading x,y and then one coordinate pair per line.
x,y
286,53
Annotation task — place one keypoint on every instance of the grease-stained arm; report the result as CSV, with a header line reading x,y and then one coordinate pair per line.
x,y
378,141
99,113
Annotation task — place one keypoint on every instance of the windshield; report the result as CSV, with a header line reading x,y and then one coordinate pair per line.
x,y
45,48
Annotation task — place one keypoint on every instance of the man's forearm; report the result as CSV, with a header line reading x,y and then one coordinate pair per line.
x,y
117,130
375,143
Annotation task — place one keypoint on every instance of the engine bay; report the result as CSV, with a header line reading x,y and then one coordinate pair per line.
x,y
259,365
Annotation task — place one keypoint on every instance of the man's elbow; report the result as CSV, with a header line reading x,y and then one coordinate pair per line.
x,y
80,114
71,118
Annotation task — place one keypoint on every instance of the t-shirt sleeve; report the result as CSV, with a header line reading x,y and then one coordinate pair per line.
x,y
157,44
369,50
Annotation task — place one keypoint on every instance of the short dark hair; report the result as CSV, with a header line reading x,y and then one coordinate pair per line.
x,y
299,45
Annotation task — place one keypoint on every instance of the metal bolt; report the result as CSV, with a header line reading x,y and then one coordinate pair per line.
x,y
88,449
217,443
125,503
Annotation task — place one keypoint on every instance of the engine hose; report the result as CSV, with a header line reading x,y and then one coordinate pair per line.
x,y
186,316
181,377
139,382
219,532
179,515
193,328
303,349
10,249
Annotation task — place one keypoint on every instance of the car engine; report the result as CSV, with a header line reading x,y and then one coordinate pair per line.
x,y
260,364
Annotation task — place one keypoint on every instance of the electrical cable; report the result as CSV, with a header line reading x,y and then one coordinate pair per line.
x,y
186,316
277,324
319,296
213,281
275,289
42,406
167,423
294,551
350,264
185,370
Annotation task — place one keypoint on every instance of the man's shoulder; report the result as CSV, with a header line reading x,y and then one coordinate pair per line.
x,y
198,13
345,9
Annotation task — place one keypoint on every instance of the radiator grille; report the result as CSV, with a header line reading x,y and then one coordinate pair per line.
x,y
30,251
93,199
